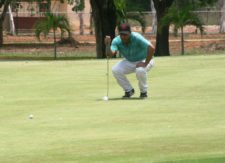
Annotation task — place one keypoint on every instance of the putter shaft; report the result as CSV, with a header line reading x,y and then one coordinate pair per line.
x,y
107,74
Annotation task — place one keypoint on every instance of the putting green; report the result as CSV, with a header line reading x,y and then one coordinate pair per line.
x,y
182,121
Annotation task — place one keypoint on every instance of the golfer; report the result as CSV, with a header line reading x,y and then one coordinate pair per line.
x,y
138,58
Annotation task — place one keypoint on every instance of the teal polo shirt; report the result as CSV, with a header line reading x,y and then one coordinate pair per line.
x,y
136,50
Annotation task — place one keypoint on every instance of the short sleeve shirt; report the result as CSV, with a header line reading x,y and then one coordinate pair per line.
x,y
136,50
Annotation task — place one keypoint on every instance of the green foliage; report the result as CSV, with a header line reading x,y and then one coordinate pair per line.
x,y
121,10
39,1
204,3
138,5
181,18
78,5
54,22
123,15
196,4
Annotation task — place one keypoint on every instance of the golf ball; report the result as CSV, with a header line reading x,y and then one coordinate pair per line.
x,y
31,116
105,98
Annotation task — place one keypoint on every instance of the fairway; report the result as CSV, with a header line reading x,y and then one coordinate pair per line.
x,y
183,120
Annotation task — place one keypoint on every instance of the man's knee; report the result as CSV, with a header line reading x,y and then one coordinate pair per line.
x,y
140,71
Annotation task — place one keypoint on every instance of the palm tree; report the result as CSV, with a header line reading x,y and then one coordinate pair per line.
x,y
180,18
52,22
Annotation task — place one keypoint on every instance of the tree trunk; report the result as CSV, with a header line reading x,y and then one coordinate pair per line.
x,y
2,17
162,37
81,23
162,42
222,19
182,40
154,18
11,22
55,52
104,16
91,24
1,33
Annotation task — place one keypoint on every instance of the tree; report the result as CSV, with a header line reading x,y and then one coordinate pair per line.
x,y
52,22
104,15
162,36
162,6
107,14
78,5
4,4
180,18
104,18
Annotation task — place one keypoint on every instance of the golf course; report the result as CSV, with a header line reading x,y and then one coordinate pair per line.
x,y
53,112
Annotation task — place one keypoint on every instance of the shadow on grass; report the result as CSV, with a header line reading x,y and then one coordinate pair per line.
x,y
123,99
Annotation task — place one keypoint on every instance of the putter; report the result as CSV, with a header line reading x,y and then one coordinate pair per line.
x,y
107,73
107,76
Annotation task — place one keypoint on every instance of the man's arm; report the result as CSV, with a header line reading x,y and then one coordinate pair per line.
x,y
151,51
109,52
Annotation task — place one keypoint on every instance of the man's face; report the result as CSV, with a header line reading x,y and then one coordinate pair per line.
x,y
125,38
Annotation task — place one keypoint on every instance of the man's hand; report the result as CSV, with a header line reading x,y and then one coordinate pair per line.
x,y
141,64
108,49
107,40
107,45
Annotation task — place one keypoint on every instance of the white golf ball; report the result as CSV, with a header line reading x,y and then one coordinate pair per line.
x,y
105,98
31,116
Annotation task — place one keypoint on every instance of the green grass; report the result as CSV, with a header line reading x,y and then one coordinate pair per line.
x,y
47,55
182,121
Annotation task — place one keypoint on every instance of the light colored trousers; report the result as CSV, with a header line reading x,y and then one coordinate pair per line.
x,y
124,67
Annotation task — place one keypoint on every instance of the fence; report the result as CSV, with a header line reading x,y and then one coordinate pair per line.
x,y
81,23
